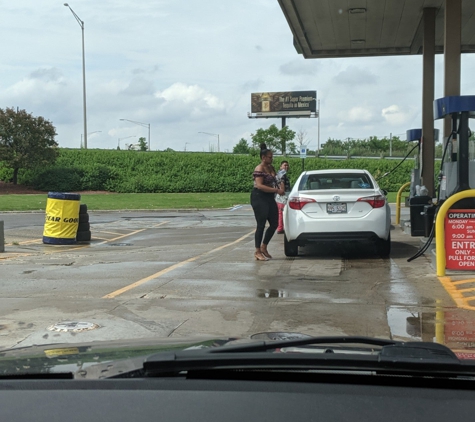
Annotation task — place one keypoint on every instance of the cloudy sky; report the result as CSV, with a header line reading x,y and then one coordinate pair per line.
x,y
188,66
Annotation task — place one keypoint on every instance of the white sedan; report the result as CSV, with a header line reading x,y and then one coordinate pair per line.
x,y
338,206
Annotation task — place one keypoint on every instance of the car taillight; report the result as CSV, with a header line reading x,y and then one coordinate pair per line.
x,y
297,203
376,201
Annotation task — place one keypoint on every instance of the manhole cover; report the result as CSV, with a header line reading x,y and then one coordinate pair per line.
x,y
73,326
279,336
120,244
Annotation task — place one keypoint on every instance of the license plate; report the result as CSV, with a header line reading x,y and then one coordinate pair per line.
x,y
336,208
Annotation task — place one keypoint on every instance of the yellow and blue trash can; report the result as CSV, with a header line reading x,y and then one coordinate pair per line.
x,y
62,218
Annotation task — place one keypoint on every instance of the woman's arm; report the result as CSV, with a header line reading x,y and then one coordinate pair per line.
x,y
264,188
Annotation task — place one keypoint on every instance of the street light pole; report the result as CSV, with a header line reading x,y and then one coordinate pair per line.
x,y
212,134
140,124
81,24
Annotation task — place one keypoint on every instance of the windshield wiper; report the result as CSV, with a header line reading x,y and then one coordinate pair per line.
x,y
390,357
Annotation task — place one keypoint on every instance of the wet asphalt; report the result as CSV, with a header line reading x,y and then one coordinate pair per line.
x,y
149,274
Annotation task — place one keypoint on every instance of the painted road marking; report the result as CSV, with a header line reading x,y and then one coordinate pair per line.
x,y
76,247
171,268
460,300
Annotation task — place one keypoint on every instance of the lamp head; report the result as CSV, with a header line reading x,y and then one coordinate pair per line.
x,y
66,4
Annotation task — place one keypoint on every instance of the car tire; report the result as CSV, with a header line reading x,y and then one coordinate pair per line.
x,y
291,248
84,218
82,208
383,247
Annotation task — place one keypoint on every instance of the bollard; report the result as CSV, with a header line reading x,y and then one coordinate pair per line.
x,y
2,237
62,218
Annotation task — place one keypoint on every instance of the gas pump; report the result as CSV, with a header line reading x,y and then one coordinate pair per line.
x,y
457,176
458,170
420,203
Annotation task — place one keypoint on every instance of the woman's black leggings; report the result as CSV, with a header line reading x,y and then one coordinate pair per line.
x,y
265,209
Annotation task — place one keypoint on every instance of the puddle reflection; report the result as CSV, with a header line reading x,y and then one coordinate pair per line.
x,y
454,328
271,293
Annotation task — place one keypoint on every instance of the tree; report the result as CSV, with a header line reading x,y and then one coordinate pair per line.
x,y
142,144
242,147
26,141
301,138
274,138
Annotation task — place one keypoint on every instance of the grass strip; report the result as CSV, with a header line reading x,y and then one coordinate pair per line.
x,y
131,201
138,201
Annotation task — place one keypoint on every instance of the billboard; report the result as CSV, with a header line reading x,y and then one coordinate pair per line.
x,y
282,104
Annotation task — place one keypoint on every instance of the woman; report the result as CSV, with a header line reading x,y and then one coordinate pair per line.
x,y
263,203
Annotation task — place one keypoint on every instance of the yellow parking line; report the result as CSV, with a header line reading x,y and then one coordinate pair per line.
x,y
471,280
456,294
171,268
14,255
107,232
76,247
471,289
28,242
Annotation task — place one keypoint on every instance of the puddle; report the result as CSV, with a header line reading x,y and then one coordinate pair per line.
x,y
271,293
452,327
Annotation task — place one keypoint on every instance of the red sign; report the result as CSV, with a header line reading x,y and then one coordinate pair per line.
x,y
460,240
463,355
458,328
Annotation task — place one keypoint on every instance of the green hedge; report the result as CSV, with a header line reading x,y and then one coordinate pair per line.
x,y
135,171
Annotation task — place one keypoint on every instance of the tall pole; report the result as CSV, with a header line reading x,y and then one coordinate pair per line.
x,y
84,87
81,24
390,144
318,136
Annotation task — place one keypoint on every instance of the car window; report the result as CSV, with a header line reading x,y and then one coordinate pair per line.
x,y
336,181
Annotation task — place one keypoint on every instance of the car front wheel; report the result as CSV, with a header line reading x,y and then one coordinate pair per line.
x,y
291,248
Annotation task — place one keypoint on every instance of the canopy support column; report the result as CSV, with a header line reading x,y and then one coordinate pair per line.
x,y
428,82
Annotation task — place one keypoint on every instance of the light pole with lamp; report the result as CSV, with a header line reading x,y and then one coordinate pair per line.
x,y
212,134
81,24
127,137
90,133
140,124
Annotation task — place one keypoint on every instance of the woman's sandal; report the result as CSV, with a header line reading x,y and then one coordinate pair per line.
x,y
260,256
266,254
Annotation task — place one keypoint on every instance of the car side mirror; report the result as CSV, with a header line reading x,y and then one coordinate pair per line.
x,y
385,192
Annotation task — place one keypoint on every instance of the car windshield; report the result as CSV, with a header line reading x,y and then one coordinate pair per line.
x,y
335,181
180,174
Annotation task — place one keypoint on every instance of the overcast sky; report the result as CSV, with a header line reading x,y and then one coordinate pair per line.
x,y
189,66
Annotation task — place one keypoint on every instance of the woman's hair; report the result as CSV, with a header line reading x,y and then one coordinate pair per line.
x,y
264,149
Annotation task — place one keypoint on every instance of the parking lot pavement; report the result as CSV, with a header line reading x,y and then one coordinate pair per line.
x,y
171,273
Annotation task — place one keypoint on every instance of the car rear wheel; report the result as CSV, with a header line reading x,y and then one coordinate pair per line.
x,y
291,248
383,247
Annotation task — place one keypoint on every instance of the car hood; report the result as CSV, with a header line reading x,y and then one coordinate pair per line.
x,y
110,356
76,358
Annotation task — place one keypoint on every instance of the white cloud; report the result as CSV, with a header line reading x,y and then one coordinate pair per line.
x,y
182,100
395,116
357,115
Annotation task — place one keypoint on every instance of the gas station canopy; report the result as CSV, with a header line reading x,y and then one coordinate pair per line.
x,y
361,28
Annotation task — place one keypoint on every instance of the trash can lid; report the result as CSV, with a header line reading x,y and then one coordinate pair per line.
x,y
63,195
